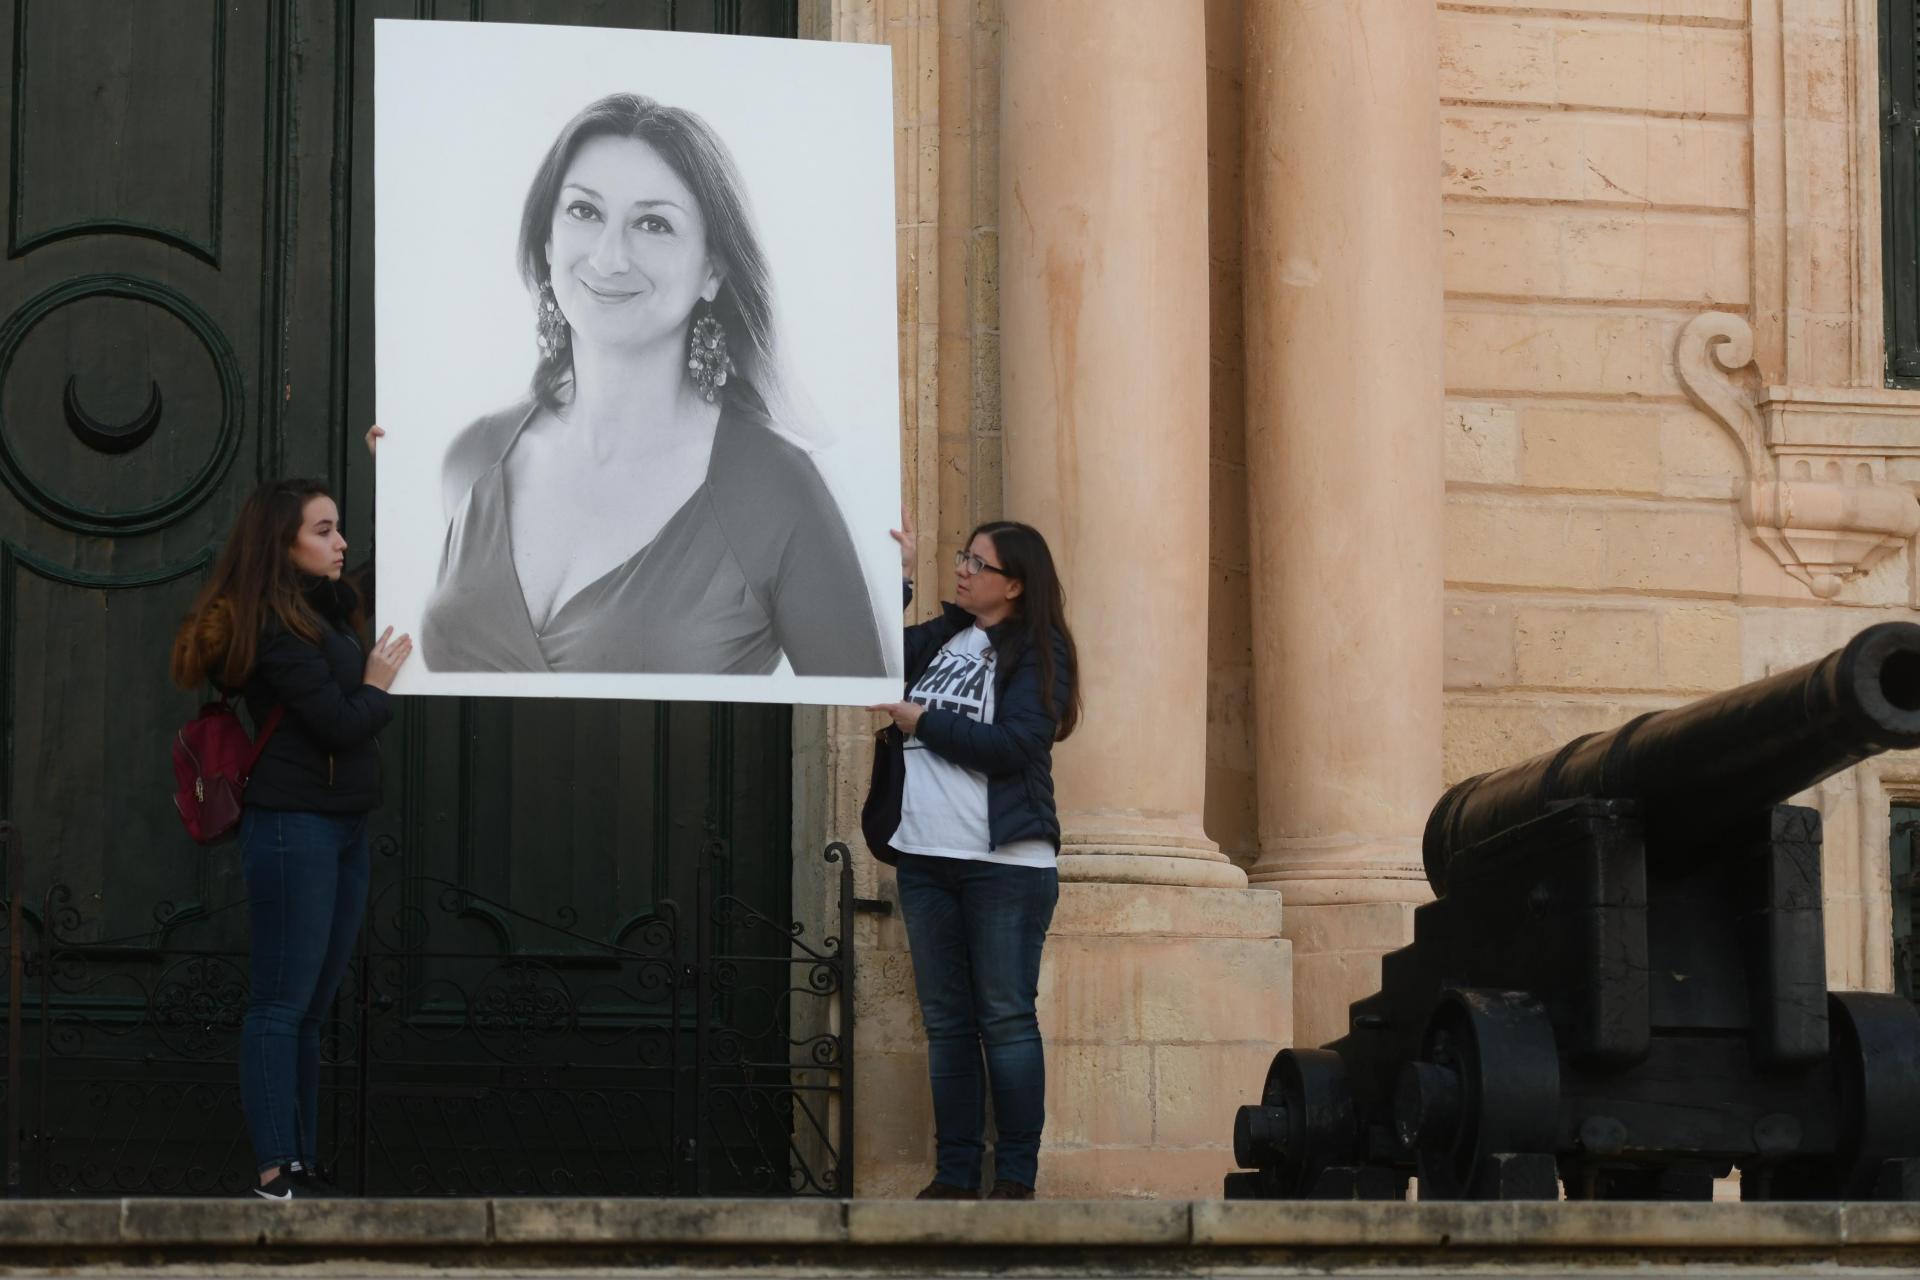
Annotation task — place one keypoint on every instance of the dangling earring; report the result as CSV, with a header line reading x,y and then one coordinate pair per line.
x,y
550,327
707,358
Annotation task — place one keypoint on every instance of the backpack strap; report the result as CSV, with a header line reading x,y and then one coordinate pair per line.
x,y
266,735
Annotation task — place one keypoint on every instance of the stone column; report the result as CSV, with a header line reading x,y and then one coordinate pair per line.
x,y
1104,383
1344,315
1165,985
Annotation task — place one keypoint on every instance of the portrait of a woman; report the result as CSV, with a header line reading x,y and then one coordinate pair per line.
x,y
645,507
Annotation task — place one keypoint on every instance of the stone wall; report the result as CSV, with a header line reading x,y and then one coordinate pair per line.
x,y
1662,345
946,100
1597,196
1614,173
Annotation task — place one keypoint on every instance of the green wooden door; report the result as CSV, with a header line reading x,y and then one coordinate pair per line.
x,y
185,308
1905,868
1900,188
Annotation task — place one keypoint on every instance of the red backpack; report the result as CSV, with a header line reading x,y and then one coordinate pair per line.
x,y
212,760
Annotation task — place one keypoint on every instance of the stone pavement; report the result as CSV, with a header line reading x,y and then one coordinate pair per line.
x,y
556,1239
379,1271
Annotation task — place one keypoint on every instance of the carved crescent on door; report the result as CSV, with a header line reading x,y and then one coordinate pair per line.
x,y
97,435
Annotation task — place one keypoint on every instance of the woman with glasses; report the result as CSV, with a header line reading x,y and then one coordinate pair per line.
x,y
278,622
990,688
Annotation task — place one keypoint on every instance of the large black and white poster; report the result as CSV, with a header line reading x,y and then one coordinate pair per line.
x,y
636,363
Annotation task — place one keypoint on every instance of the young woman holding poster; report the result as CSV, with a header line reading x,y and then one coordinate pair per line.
x,y
990,688
641,510
278,622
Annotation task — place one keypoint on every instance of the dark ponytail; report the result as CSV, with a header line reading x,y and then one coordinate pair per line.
x,y
1040,610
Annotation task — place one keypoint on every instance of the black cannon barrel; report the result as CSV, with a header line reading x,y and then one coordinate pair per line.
x,y
1699,765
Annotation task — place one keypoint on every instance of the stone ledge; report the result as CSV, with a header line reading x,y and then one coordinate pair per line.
x,y
79,1222
378,1224
1519,1226
1122,1223
241,1223
678,1222
1894,1225
833,1232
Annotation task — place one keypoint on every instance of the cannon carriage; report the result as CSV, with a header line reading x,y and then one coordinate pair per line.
x,y
1619,990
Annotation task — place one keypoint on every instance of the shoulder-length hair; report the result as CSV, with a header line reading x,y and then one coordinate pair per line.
x,y
1040,612
695,153
254,582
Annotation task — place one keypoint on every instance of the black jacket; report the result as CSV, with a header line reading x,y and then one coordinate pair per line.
x,y
324,757
1016,750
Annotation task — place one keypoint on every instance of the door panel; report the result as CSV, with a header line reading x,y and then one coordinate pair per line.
x,y
133,299
186,308
101,118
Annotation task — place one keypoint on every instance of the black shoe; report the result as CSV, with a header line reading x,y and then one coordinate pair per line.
x,y
290,1184
946,1191
318,1185
1008,1189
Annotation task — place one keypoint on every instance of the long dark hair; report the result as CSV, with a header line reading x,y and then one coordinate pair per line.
x,y
695,153
253,581
1040,608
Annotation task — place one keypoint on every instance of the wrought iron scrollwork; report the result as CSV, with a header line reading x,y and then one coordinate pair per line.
x,y
476,1048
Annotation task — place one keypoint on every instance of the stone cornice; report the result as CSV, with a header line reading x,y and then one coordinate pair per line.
x,y
1870,421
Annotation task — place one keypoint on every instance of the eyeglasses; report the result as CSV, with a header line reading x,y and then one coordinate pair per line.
x,y
968,563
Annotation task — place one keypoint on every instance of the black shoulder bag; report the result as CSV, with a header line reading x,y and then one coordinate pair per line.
x,y
880,815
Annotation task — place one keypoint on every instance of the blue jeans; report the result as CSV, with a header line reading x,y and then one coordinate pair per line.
x,y
306,895
976,929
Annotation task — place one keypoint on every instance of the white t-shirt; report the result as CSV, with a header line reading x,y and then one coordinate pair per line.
x,y
943,810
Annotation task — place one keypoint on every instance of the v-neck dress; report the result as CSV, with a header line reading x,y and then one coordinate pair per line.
x,y
756,563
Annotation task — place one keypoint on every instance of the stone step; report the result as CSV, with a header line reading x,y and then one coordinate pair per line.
x,y
560,1238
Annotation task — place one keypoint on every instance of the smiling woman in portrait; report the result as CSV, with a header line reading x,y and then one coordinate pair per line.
x,y
643,508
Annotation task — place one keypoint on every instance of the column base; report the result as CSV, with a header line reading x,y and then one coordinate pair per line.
x,y
1339,869
1149,867
1131,849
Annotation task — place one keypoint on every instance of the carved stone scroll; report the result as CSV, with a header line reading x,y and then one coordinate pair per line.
x,y
1817,493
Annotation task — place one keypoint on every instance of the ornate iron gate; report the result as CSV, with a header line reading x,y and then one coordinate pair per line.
x,y
476,1049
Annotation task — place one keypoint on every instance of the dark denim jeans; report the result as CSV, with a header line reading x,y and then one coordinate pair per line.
x,y
976,930
306,895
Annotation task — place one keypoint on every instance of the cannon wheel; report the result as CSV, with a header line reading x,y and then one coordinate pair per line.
x,y
1499,1045
1876,1080
1311,1084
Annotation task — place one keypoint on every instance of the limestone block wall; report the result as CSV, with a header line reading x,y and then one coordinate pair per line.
x,y
1612,172
1662,340
1597,196
946,118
